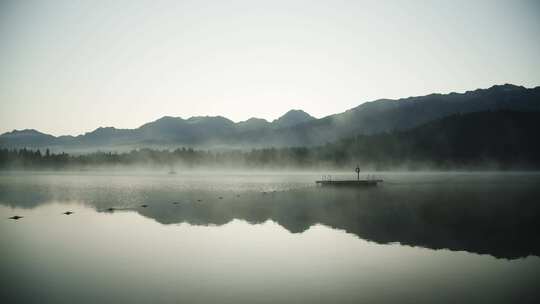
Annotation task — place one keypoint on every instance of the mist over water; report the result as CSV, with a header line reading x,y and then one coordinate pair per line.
x,y
265,238
208,151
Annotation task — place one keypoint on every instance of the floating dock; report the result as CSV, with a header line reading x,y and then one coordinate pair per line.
x,y
327,180
350,183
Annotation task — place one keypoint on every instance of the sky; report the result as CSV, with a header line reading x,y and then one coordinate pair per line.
x,y
68,67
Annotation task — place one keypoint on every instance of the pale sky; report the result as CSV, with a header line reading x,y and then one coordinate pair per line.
x,y
68,67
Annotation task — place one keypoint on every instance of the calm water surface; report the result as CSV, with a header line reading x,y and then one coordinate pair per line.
x,y
269,238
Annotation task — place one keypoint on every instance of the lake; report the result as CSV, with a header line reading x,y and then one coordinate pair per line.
x,y
144,237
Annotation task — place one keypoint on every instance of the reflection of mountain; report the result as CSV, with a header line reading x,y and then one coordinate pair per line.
x,y
500,221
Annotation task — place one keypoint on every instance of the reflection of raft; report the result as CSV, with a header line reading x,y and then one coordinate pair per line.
x,y
350,183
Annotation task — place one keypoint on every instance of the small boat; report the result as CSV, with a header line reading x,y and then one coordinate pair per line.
x,y
171,170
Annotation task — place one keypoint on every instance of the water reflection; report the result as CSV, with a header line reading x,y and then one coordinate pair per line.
x,y
498,219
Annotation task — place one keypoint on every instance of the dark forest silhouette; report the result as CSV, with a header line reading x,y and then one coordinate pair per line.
x,y
485,140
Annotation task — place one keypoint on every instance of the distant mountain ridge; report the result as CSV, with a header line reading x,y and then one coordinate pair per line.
x,y
294,128
292,118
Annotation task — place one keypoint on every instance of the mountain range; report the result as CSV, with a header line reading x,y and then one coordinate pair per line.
x,y
294,128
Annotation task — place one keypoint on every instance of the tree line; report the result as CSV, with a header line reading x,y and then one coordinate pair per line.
x,y
181,157
483,140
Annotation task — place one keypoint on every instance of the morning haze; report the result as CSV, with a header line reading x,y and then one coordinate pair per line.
x,y
393,158
69,67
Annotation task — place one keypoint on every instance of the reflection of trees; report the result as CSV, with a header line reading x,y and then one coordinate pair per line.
x,y
488,220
